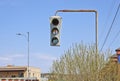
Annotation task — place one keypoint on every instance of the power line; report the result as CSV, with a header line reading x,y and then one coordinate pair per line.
x,y
117,34
108,16
115,38
110,27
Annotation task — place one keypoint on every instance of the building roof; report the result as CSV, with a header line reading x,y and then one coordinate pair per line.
x,y
12,68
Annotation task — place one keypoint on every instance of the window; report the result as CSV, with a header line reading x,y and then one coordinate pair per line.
x,y
13,76
21,74
33,74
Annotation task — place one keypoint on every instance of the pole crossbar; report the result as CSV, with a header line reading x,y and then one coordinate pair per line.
x,y
96,22
75,11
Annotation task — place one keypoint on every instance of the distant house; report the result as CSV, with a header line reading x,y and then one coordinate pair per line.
x,y
47,77
19,72
112,68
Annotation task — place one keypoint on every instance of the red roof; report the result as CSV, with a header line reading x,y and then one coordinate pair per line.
x,y
13,68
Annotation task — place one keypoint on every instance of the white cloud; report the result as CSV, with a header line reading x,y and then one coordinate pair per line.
x,y
17,56
45,62
11,57
5,59
44,57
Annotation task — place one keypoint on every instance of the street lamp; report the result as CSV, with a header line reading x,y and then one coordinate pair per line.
x,y
27,37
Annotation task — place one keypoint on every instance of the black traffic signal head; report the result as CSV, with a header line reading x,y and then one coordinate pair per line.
x,y
55,26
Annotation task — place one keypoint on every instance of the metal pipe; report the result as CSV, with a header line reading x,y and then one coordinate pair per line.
x,y
96,22
28,53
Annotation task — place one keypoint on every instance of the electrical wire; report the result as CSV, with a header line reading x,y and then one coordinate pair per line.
x,y
110,27
108,17
118,33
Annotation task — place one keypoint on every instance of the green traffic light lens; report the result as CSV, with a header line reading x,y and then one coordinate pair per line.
x,y
55,31
55,41
55,21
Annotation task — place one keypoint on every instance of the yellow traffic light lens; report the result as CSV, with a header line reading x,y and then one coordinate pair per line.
x,y
55,40
55,31
55,21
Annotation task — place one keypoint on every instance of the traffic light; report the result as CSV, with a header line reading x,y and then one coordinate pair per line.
x,y
55,26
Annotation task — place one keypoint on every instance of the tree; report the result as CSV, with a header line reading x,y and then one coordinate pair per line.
x,y
79,63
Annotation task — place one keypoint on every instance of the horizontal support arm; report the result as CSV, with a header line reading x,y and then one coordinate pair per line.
x,y
75,11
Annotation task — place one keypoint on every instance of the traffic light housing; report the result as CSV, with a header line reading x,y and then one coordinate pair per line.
x,y
55,26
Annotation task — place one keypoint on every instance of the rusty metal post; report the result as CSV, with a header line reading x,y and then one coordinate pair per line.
x,y
96,22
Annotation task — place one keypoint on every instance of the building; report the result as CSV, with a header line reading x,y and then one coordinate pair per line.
x,y
12,72
112,68
45,76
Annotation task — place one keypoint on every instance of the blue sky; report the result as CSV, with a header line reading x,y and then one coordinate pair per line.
x,y
22,16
